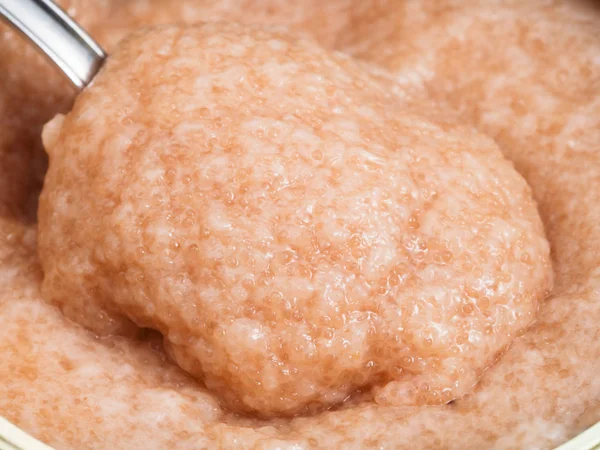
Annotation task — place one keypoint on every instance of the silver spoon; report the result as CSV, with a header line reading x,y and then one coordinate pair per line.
x,y
58,37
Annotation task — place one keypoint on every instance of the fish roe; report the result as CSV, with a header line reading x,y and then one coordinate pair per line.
x,y
293,228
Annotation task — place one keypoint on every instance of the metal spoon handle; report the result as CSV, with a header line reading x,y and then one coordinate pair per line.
x,y
57,36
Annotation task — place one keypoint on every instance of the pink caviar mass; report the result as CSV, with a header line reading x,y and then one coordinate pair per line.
x,y
305,225
294,230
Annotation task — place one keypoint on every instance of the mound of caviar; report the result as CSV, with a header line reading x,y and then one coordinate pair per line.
x,y
293,229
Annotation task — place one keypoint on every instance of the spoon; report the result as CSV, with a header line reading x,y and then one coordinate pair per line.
x,y
57,36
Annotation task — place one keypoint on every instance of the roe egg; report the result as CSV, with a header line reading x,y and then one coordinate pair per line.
x,y
295,230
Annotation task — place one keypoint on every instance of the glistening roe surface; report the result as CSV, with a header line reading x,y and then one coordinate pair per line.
x,y
293,229
543,391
